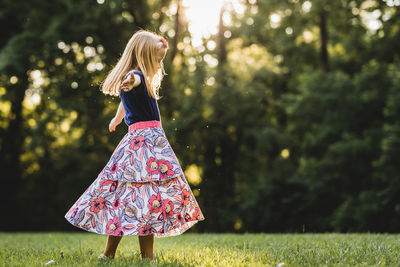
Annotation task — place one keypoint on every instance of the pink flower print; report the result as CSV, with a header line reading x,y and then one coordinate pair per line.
x,y
113,186
187,217
116,203
179,217
137,143
74,212
165,168
114,167
185,197
197,214
136,184
145,230
167,208
155,203
105,182
152,166
113,227
97,205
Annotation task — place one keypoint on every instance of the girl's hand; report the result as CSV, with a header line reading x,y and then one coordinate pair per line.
x,y
113,124
128,83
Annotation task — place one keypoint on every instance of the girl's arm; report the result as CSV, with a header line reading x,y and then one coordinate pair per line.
x,y
120,113
117,118
131,81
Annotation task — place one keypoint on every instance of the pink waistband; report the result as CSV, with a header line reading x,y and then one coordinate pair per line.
x,y
144,124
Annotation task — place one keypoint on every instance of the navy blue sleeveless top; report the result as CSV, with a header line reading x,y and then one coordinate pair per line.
x,y
138,104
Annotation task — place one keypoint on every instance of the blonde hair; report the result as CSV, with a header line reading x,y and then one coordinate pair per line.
x,y
140,53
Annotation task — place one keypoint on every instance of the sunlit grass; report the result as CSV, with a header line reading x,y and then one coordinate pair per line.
x,y
82,249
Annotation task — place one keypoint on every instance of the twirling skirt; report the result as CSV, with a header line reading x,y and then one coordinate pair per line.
x,y
142,190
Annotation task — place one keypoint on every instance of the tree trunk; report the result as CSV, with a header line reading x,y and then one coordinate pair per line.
x,y
221,38
174,46
324,40
168,94
10,151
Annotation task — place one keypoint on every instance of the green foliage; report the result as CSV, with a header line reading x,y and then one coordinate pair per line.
x,y
282,142
206,250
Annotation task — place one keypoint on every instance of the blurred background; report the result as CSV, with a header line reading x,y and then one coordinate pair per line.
x,y
284,114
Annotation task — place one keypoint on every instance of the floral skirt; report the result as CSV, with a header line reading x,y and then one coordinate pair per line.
x,y
142,190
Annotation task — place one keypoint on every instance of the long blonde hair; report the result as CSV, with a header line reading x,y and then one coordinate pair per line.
x,y
140,53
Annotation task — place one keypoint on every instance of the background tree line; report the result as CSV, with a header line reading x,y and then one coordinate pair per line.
x,y
286,119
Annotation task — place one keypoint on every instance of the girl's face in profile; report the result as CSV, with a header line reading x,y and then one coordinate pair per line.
x,y
160,56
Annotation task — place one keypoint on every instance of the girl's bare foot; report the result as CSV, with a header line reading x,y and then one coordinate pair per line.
x,y
103,257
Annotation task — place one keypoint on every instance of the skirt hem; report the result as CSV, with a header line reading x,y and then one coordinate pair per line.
x,y
172,232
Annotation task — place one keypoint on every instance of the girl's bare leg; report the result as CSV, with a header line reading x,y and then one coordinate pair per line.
x,y
146,246
111,246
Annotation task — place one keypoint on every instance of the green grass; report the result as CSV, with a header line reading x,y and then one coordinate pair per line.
x,y
189,249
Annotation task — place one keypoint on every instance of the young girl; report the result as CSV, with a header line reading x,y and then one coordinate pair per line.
x,y
142,189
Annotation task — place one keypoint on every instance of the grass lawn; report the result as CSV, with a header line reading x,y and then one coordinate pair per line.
x,y
189,249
